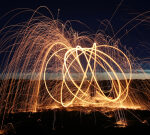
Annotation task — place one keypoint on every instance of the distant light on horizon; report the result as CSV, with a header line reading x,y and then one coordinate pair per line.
x,y
140,75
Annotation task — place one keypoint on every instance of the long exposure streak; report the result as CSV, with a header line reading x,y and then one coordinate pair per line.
x,y
50,66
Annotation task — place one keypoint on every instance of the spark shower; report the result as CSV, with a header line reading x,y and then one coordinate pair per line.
x,y
48,65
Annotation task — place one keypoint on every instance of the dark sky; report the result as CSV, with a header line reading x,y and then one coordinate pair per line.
x,y
91,12
88,11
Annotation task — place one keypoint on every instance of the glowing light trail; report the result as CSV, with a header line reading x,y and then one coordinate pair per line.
x,y
72,63
67,70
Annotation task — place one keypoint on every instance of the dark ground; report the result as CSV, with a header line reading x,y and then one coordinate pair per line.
x,y
63,122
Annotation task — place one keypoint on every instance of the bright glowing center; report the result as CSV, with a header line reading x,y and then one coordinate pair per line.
x,y
90,61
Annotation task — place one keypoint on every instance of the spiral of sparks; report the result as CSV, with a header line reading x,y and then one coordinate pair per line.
x,y
51,66
95,58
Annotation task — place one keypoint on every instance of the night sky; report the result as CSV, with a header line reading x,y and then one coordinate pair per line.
x,y
92,13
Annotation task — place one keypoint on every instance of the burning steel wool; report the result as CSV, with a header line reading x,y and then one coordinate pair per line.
x,y
50,66
97,60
